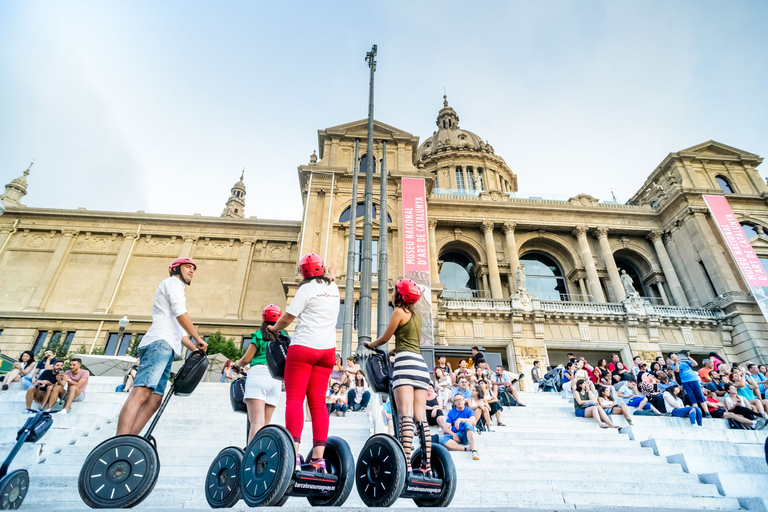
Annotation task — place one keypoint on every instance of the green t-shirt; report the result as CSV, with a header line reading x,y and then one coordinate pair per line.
x,y
261,347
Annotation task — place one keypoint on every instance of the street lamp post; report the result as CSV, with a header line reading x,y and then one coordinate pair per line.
x,y
123,323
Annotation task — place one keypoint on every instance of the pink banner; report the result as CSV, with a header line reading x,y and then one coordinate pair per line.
x,y
737,241
415,235
416,250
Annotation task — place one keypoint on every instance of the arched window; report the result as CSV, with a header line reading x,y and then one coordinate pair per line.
x,y
459,178
345,215
458,274
544,277
749,229
724,184
364,164
632,272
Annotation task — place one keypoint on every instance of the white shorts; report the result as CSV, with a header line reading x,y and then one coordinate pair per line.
x,y
261,386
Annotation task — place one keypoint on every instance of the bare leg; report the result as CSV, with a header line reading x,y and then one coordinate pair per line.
x,y
136,399
624,410
145,413
56,393
73,393
471,439
591,412
30,396
738,417
605,417
11,376
255,415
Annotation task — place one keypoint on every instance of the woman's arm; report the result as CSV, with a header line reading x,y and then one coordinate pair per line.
x,y
394,322
250,353
28,369
285,320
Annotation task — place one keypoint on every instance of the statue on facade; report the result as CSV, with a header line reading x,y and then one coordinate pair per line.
x,y
478,182
520,278
629,287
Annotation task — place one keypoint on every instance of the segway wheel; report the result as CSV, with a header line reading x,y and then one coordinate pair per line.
x,y
267,467
442,468
13,489
380,471
119,473
222,485
340,462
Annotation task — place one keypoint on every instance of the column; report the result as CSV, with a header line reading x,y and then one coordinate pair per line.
x,y
514,261
677,263
485,283
5,237
610,264
238,282
435,278
662,292
668,269
114,274
45,286
593,281
583,289
493,264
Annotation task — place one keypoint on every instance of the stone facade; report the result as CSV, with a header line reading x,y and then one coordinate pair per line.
x,y
642,278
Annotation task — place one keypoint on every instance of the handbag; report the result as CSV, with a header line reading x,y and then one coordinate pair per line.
x,y
277,354
237,395
585,405
190,374
378,373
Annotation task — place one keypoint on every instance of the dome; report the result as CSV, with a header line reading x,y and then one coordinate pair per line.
x,y
449,137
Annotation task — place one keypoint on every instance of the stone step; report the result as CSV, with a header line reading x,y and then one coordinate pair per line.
x,y
639,433
738,485
666,447
700,464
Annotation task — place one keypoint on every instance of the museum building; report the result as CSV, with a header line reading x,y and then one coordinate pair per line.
x,y
525,277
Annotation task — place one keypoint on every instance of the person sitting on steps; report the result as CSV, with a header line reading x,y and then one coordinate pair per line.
x,y
585,405
70,386
43,387
462,423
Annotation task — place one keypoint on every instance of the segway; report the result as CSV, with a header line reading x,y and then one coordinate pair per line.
x,y
122,471
268,476
381,470
14,485
222,483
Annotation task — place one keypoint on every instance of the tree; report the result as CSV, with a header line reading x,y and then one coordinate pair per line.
x,y
133,347
218,344
57,345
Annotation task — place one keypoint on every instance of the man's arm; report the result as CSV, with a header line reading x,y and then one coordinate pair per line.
x,y
79,383
186,323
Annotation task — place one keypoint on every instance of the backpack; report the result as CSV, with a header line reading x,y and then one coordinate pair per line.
x,y
237,395
378,372
190,374
277,354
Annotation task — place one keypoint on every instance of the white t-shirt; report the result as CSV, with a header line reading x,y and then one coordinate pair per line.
x,y
316,306
170,302
673,401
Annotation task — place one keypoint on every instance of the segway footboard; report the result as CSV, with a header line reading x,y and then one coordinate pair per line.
x,y
341,468
439,490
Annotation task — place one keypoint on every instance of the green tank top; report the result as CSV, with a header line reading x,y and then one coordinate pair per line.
x,y
261,347
408,335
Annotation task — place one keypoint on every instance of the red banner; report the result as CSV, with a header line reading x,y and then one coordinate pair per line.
x,y
416,250
737,241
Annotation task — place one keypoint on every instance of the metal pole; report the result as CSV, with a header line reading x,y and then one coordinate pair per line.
x,y
349,286
383,312
364,323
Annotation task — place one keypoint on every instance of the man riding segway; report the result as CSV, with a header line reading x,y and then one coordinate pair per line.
x,y
123,470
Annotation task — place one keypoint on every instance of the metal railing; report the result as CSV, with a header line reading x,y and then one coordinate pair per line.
x,y
374,277
465,294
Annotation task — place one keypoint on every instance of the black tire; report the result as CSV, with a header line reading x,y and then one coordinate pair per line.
x,y
222,485
268,466
13,489
380,471
119,473
444,469
340,462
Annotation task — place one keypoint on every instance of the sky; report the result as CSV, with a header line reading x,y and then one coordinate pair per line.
x,y
158,105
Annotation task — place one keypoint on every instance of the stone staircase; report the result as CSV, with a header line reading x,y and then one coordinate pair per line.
x,y
545,458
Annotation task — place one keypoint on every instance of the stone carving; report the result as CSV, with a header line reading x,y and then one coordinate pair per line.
x,y
629,287
584,200
520,278
647,356
530,354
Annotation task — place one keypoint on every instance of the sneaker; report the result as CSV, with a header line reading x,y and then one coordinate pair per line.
x,y
5,387
63,411
298,463
30,411
318,465
475,455
761,423
520,405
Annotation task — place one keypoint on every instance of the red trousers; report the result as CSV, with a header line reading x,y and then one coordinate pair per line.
x,y
307,371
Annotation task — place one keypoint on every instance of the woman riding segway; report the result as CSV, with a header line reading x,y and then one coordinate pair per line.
x,y
262,392
410,379
273,468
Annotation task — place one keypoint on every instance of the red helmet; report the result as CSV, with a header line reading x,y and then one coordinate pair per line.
x,y
179,262
271,313
408,290
311,265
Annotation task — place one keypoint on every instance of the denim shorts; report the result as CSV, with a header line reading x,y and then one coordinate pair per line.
x,y
154,367
462,435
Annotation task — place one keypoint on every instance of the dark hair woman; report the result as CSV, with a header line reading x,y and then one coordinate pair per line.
x,y
262,392
410,377
21,368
